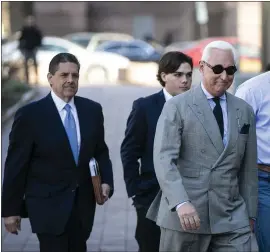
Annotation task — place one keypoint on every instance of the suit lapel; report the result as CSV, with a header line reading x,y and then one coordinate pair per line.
x,y
58,126
234,115
160,100
205,115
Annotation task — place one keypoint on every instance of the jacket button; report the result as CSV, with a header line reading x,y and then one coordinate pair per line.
x,y
202,150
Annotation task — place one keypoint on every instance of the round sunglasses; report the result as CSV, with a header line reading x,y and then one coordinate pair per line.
x,y
218,69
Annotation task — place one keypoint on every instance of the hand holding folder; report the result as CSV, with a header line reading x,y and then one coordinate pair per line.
x,y
96,180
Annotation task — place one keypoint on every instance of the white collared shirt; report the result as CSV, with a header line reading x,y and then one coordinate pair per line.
x,y
166,94
256,92
60,104
223,104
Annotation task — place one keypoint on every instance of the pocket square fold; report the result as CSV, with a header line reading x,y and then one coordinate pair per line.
x,y
245,129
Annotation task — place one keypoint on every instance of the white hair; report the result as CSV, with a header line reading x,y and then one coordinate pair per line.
x,y
218,44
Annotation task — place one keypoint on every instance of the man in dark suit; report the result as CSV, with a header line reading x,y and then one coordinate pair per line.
x,y
175,76
51,143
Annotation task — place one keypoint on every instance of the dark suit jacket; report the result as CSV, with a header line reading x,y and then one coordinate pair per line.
x,y
41,167
138,145
31,38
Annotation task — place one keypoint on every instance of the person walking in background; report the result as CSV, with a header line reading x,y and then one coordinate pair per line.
x,y
175,76
256,92
205,163
30,40
51,143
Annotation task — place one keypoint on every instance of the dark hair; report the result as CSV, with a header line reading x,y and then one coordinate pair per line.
x,y
267,68
170,62
62,58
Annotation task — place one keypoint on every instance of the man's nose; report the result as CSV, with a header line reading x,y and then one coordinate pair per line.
x,y
224,75
70,78
184,78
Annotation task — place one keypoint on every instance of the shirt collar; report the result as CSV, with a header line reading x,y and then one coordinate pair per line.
x,y
167,95
209,96
60,104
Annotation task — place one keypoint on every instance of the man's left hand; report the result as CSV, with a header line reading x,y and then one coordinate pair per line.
x,y
105,191
252,224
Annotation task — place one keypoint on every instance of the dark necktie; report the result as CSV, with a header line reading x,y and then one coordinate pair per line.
x,y
219,115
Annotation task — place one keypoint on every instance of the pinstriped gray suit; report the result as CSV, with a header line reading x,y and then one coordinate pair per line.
x,y
191,164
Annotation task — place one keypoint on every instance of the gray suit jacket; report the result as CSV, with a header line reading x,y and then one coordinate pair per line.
x,y
191,164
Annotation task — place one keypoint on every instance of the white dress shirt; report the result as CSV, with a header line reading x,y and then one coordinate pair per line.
x,y
223,104
256,92
60,104
166,94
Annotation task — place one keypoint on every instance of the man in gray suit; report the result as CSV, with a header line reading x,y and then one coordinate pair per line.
x,y
205,162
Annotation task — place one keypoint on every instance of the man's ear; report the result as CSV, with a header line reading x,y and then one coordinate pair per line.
x,y
49,78
163,77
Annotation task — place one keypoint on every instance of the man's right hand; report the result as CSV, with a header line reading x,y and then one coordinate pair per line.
x,y
189,217
13,224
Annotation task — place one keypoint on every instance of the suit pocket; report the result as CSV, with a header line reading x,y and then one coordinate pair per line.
x,y
242,141
243,137
190,178
234,192
38,194
245,129
46,191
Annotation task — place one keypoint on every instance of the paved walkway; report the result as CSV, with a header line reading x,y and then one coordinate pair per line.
x,y
115,222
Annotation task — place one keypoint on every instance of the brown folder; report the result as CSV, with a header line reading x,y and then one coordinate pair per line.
x,y
97,189
96,180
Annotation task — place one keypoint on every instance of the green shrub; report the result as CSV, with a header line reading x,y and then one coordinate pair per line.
x,y
12,90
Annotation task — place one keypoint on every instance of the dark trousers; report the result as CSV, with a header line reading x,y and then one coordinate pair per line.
x,y
72,240
28,55
147,232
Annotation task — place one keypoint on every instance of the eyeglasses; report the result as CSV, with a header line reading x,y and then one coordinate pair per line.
x,y
218,69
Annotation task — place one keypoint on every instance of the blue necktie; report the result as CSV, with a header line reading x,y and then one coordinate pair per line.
x,y
70,127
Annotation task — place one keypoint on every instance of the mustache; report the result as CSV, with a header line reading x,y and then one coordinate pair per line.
x,y
223,83
69,85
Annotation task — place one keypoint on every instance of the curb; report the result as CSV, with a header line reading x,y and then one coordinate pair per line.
x,y
26,98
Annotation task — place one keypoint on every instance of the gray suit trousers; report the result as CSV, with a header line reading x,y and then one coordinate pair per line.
x,y
235,241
